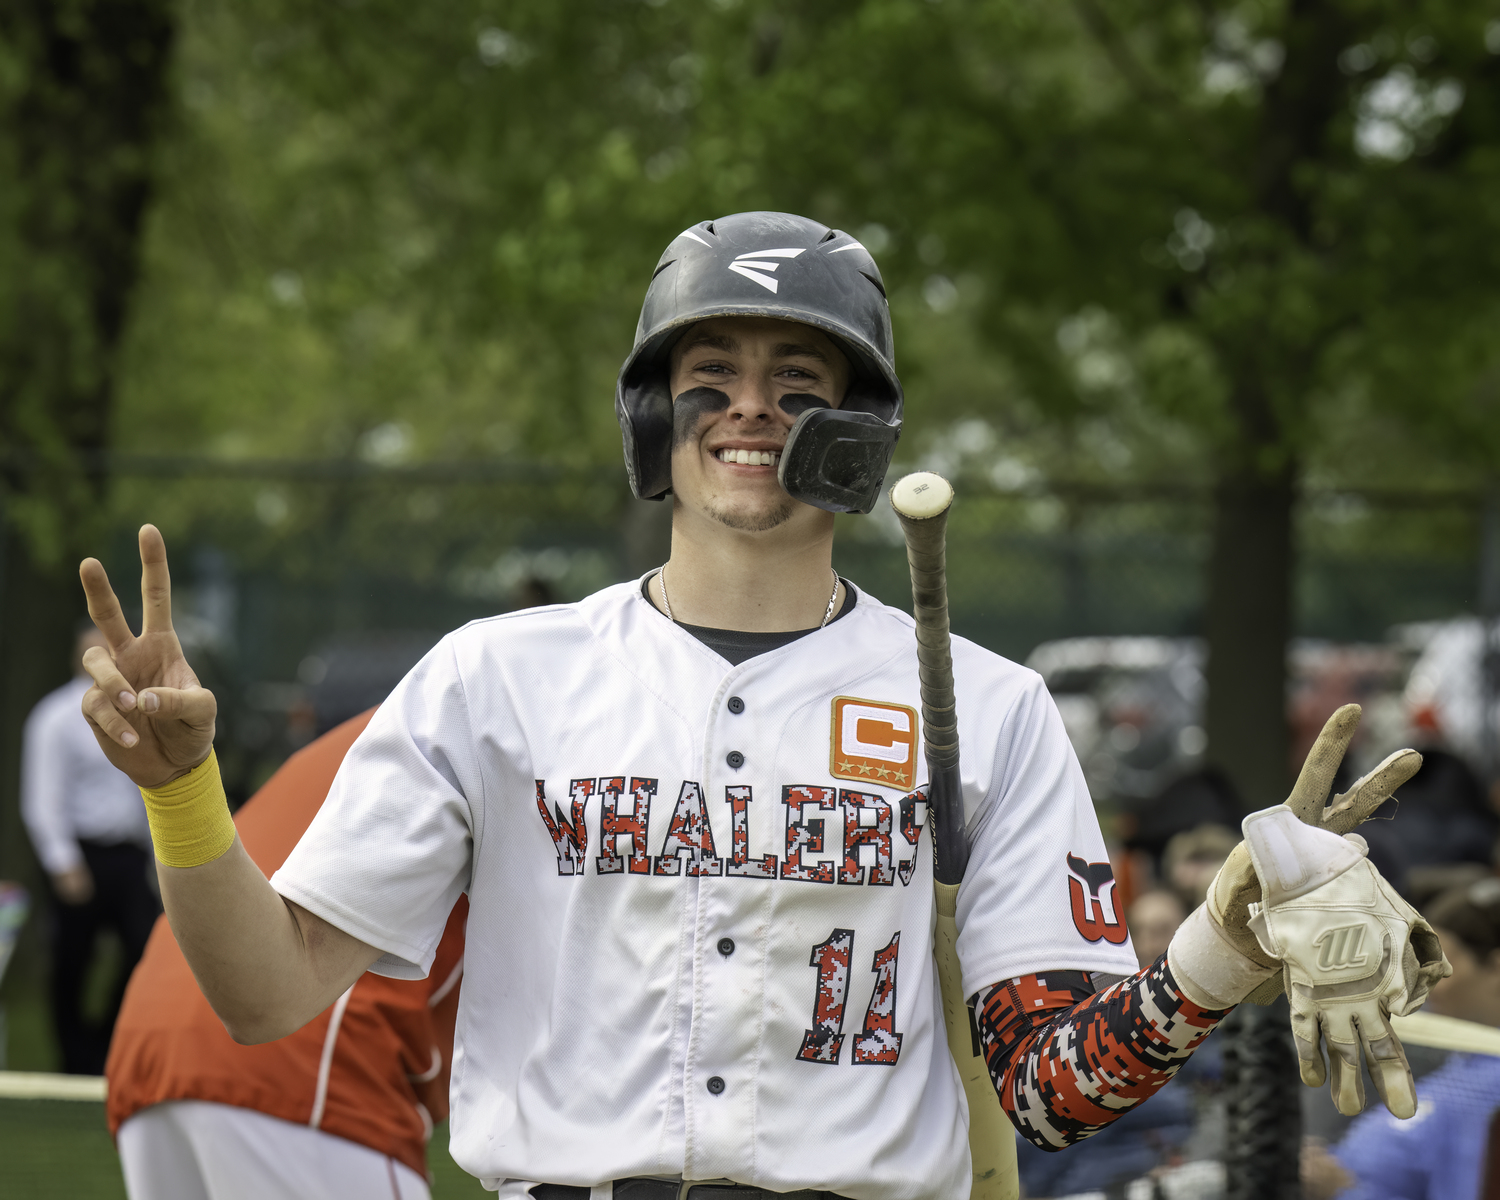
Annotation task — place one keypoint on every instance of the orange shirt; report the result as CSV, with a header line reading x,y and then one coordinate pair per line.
x,y
387,1043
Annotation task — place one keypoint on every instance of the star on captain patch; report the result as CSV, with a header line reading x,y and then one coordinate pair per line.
x,y
871,739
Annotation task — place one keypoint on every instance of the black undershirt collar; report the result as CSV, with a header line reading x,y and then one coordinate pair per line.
x,y
737,645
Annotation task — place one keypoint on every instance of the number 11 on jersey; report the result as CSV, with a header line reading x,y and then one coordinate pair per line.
x,y
878,1043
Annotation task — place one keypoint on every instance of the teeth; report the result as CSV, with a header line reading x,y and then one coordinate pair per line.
x,y
751,458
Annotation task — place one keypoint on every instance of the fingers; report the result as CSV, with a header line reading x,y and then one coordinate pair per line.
x,y
156,583
1358,804
1346,1086
104,606
1308,1037
106,719
1310,1063
192,706
1316,778
1390,1072
107,678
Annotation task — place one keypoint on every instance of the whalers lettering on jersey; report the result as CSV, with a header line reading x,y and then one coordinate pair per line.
x,y
873,742
868,823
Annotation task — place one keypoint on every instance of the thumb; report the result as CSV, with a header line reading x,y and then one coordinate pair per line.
x,y
192,706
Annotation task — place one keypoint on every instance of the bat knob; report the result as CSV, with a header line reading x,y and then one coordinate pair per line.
x,y
921,495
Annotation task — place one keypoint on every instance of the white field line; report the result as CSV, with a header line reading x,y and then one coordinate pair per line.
x,y
38,1085
1447,1033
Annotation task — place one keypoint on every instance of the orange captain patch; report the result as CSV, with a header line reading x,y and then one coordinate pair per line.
x,y
873,742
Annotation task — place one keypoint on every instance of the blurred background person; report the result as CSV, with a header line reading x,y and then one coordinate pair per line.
x,y
343,1108
1441,1152
1192,859
1438,831
88,826
1153,919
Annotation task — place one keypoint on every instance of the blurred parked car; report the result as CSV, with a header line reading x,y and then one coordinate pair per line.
x,y
1133,706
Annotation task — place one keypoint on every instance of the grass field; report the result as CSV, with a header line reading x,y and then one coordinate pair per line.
x,y
60,1150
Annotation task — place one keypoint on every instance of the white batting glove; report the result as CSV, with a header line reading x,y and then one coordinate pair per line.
x,y
1215,957
1352,950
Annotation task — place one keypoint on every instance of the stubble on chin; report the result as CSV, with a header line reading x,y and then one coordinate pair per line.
x,y
759,519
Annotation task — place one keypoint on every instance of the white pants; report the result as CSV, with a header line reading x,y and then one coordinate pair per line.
x,y
195,1150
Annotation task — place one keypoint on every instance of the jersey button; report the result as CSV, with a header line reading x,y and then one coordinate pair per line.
x,y
735,759
736,705
726,946
715,1084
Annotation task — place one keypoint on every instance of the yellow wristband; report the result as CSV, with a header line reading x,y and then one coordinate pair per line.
x,y
189,817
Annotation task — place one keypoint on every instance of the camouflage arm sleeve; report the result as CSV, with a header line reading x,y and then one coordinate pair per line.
x,y
1067,1060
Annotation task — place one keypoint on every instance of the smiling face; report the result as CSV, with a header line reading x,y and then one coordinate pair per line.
x,y
738,386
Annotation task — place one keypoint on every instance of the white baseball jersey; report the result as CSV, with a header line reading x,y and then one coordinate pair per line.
x,y
701,911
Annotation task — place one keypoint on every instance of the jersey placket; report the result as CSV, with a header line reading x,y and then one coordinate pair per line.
x,y
724,956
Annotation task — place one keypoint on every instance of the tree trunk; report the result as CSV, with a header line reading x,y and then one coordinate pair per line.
x,y
78,130
1248,626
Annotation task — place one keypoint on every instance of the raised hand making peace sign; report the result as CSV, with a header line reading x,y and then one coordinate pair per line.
x,y
153,719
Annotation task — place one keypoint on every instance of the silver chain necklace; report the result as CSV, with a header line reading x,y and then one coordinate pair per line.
x,y
666,601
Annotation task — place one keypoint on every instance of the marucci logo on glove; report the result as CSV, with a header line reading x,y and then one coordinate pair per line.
x,y
1092,894
1341,947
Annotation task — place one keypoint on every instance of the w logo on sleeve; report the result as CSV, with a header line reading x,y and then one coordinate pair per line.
x,y
1093,896
1341,947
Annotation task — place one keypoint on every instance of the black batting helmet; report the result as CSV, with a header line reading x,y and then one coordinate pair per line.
x,y
767,264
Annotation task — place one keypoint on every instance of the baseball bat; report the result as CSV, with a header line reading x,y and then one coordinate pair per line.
x,y
922,502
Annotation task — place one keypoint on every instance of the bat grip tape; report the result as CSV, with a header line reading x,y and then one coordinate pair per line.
x,y
926,557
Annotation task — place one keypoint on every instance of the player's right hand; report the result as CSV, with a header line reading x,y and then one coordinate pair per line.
x,y
149,713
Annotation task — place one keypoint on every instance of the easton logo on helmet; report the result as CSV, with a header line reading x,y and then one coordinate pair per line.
x,y
751,266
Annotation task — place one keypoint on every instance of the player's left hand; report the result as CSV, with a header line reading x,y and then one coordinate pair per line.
x,y
1236,886
1354,953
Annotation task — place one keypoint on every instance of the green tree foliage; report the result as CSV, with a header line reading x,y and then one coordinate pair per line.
x,y
83,94
1262,222
1232,246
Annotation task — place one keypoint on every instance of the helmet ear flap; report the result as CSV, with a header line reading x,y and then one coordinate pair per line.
x,y
645,413
835,459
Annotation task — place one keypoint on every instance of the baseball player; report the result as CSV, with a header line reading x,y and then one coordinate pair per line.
x,y
340,1110
690,818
